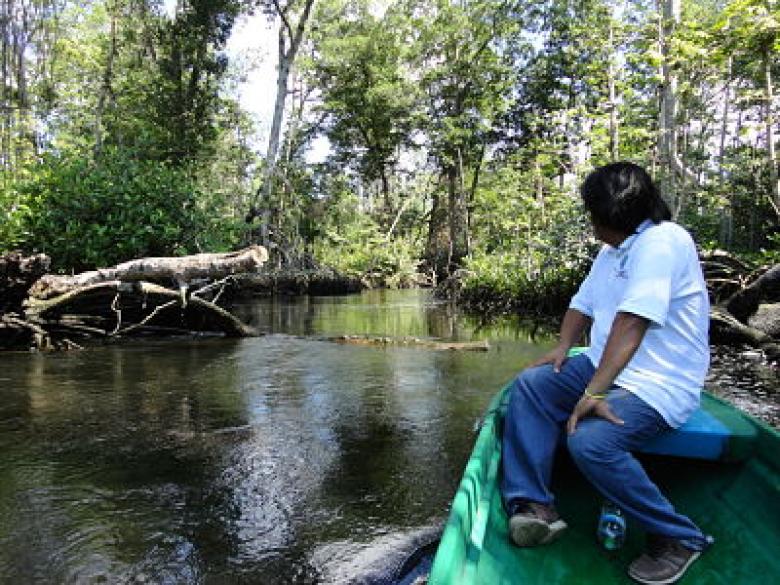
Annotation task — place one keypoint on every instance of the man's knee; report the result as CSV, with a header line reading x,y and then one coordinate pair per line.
x,y
531,380
590,443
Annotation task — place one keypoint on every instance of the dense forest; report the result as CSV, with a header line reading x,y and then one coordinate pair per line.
x,y
458,131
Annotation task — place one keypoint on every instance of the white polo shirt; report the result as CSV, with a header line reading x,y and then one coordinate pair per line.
x,y
655,273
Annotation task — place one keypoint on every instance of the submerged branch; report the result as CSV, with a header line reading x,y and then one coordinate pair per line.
x,y
411,341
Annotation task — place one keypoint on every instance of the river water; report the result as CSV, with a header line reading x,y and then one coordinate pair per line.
x,y
279,459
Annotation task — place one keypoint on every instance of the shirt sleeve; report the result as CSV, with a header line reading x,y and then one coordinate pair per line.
x,y
649,289
582,301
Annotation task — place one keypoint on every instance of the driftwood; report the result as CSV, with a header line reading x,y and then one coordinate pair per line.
x,y
411,341
725,274
128,299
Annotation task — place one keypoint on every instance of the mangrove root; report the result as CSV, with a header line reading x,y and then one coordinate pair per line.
x,y
133,305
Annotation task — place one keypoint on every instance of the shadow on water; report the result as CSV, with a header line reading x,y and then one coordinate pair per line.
x,y
279,459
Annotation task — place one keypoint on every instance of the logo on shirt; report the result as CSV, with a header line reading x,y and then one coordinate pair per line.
x,y
620,271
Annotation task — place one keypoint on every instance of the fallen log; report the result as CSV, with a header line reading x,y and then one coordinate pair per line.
x,y
745,302
120,301
411,341
181,270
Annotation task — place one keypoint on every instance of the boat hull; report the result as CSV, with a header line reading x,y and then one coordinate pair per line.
x,y
737,502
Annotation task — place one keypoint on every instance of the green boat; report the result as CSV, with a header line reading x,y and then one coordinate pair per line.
x,y
722,468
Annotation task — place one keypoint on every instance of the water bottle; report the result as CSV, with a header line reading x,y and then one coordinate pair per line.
x,y
611,532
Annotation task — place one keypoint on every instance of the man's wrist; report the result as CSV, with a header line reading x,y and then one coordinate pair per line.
x,y
594,394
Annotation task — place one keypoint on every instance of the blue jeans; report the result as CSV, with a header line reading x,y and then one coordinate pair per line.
x,y
540,404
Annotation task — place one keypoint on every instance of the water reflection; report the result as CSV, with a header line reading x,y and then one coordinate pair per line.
x,y
280,459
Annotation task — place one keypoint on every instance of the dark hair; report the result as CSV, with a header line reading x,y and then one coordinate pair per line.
x,y
622,195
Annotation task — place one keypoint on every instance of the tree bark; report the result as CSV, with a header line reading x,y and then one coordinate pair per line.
x,y
671,165
119,301
437,249
727,213
105,88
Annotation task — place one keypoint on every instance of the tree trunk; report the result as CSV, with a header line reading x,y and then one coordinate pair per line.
x,y
667,139
287,56
50,313
727,214
385,192
472,197
457,218
437,250
770,123
105,88
614,144
411,341
5,90
745,302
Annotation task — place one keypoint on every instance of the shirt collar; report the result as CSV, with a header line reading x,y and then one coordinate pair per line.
x,y
626,244
644,225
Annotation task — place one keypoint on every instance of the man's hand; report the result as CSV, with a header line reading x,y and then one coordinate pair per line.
x,y
556,357
588,406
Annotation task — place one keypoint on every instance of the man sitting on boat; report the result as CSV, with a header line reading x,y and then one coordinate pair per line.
x,y
646,304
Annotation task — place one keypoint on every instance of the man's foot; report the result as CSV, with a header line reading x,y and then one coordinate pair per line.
x,y
664,561
532,524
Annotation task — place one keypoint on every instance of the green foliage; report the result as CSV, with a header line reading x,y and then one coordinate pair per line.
x,y
466,126
139,152
371,257
13,210
370,102
353,243
89,214
505,281
533,242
